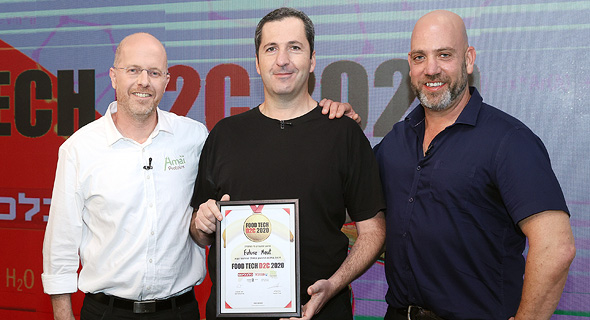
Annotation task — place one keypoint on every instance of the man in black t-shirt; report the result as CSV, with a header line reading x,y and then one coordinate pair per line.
x,y
285,148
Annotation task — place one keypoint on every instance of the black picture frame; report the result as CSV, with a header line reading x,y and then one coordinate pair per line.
x,y
258,232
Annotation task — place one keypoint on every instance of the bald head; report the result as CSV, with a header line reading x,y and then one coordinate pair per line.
x,y
440,61
438,23
139,93
140,41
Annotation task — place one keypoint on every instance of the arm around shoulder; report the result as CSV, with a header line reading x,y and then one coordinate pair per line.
x,y
551,251
338,109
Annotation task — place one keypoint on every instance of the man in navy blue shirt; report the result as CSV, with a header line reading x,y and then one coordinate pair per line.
x,y
466,184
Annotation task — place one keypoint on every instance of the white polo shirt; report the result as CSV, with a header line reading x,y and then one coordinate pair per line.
x,y
128,225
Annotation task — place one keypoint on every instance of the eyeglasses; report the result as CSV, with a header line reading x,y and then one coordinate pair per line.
x,y
136,71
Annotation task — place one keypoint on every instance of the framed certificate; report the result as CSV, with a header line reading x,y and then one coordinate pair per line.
x,y
258,259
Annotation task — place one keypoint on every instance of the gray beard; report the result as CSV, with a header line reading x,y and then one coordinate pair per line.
x,y
449,96
442,105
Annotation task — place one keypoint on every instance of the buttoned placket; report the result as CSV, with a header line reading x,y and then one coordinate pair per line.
x,y
411,202
151,216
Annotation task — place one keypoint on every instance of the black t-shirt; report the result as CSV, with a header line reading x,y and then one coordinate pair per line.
x,y
327,164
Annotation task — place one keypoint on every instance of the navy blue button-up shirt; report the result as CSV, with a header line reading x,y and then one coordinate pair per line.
x,y
453,243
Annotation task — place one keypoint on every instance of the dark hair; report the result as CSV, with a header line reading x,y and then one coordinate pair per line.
x,y
280,14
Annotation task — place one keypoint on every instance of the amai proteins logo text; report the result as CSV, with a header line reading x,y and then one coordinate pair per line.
x,y
174,164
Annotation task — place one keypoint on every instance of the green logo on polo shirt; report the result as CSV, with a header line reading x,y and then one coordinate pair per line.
x,y
174,164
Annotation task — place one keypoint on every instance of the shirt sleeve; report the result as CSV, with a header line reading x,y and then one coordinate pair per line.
x,y
363,191
205,188
524,175
64,230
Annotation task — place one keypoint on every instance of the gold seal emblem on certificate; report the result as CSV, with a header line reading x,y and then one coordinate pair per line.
x,y
257,227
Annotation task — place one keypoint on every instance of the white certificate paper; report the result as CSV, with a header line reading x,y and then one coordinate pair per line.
x,y
258,259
